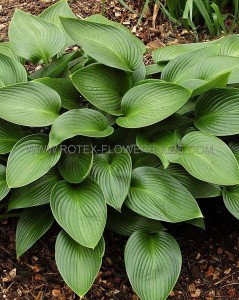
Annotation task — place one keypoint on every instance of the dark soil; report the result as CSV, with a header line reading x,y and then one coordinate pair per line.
x,y
211,258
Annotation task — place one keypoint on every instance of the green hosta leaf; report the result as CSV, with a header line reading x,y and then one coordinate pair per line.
x,y
34,38
139,74
198,188
109,45
78,265
6,49
76,161
102,86
86,122
235,149
231,200
145,160
181,68
149,103
9,135
229,45
35,194
199,222
32,225
112,171
4,190
34,104
11,71
159,144
217,112
157,195
153,263
207,158
128,222
80,210
70,97
30,160
154,69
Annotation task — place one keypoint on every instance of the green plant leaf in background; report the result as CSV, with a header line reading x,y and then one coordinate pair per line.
x,y
36,193
4,190
78,265
80,210
34,104
112,171
102,86
153,263
109,45
198,188
217,112
32,225
86,122
11,71
76,160
144,160
9,135
149,103
206,158
7,49
157,195
231,200
29,160
34,38
127,222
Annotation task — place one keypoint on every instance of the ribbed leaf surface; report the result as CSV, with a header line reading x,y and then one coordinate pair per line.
x,y
114,47
231,200
153,263
9,135
157,195
112,171
32,225
30,160
78,265
4,190
34,38
86,122
217,112
80,210
34,104
149,103
102,86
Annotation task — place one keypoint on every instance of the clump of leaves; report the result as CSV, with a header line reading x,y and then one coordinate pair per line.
x,y
95,129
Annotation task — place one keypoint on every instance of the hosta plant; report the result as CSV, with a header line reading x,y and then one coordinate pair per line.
x,y
92,138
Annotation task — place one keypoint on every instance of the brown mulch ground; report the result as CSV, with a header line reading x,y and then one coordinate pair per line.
x,y
211,258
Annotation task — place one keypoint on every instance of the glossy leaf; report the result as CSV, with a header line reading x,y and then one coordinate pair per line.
x,y
9,135
32,225
157,195
28,37
102,86
155,257
85,122
112,171
80,210
149,103
35,104
30,159
77,264
4,190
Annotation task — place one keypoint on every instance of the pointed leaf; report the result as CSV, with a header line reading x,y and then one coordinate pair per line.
x,y
36,193
149,103
157,195
30,159
109,45
78,265
153,263
217,112
76,161
102,86
80,210
9,135
34,38
86,122
4,190
32,225
207,158
34,104
112,171
231,200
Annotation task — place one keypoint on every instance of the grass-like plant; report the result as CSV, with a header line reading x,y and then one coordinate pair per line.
x,y
93,138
